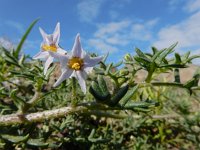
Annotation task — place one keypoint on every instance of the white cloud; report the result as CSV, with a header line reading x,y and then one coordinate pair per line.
x,y
6,43
143,31
89,9
187,33
15,25
102,46
110,36
192,5
175,4
110,28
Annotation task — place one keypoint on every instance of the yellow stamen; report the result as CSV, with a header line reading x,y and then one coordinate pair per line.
x,y
51,47
75,63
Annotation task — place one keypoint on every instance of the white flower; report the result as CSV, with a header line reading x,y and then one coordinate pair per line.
x,y
77,64
49,46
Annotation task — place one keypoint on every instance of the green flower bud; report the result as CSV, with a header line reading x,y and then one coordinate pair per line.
x,y
128,57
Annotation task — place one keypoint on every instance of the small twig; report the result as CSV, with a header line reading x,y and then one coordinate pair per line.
x,y
35,98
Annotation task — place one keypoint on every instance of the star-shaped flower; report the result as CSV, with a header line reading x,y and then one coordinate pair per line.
x,y
49,46
77,64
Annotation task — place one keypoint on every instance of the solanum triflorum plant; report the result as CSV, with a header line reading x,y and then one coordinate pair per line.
x,y
48,112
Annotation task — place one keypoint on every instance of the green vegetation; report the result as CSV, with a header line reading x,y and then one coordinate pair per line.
x,y
117,112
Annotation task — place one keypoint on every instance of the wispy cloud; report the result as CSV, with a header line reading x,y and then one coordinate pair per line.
x,y
174,4
89,9
109,37
187,33
6,43
192,5
15,25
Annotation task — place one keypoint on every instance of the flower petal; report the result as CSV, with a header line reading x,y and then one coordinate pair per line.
x,y
62,58
63,76
61,51
81,77
91,61
56,34
47,63
44,35
77,49
41,55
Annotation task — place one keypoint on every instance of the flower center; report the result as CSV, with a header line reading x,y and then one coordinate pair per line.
x,y
75,63
51,47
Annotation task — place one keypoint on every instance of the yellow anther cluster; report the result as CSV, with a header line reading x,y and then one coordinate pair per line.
x,y
75,63
52,47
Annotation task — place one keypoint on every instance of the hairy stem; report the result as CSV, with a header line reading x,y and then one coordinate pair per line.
x,y
74,97
39,116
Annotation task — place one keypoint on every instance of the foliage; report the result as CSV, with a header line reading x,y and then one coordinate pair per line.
x,y
117,112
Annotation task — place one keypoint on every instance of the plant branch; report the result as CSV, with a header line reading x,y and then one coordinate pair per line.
x,y
101,111
39,116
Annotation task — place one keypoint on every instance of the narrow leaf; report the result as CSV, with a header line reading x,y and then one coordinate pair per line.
x,y
19,47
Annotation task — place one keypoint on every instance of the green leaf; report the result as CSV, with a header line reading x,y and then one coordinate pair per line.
x,y
118,64
193,57
15,139
105,57
178,58
173,66
19,102
118,96
95,90
167,84
108,69
2,145
93,139
49,72
166,52
102,85
22,59
129,95
186,55
157,54
37,143
144,104
154,49
141,54
142,61
19,46
98,71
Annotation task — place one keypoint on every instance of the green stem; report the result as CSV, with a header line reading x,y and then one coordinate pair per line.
x,y
149,76
74,96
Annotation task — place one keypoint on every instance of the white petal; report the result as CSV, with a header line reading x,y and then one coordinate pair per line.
x,y
63,59
44,35
61,51
56,34
81,77
63,76
77,49
74,74
41,55
50,39
47,63
91,61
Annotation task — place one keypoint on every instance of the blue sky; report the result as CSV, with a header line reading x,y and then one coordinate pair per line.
x,y
114,26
